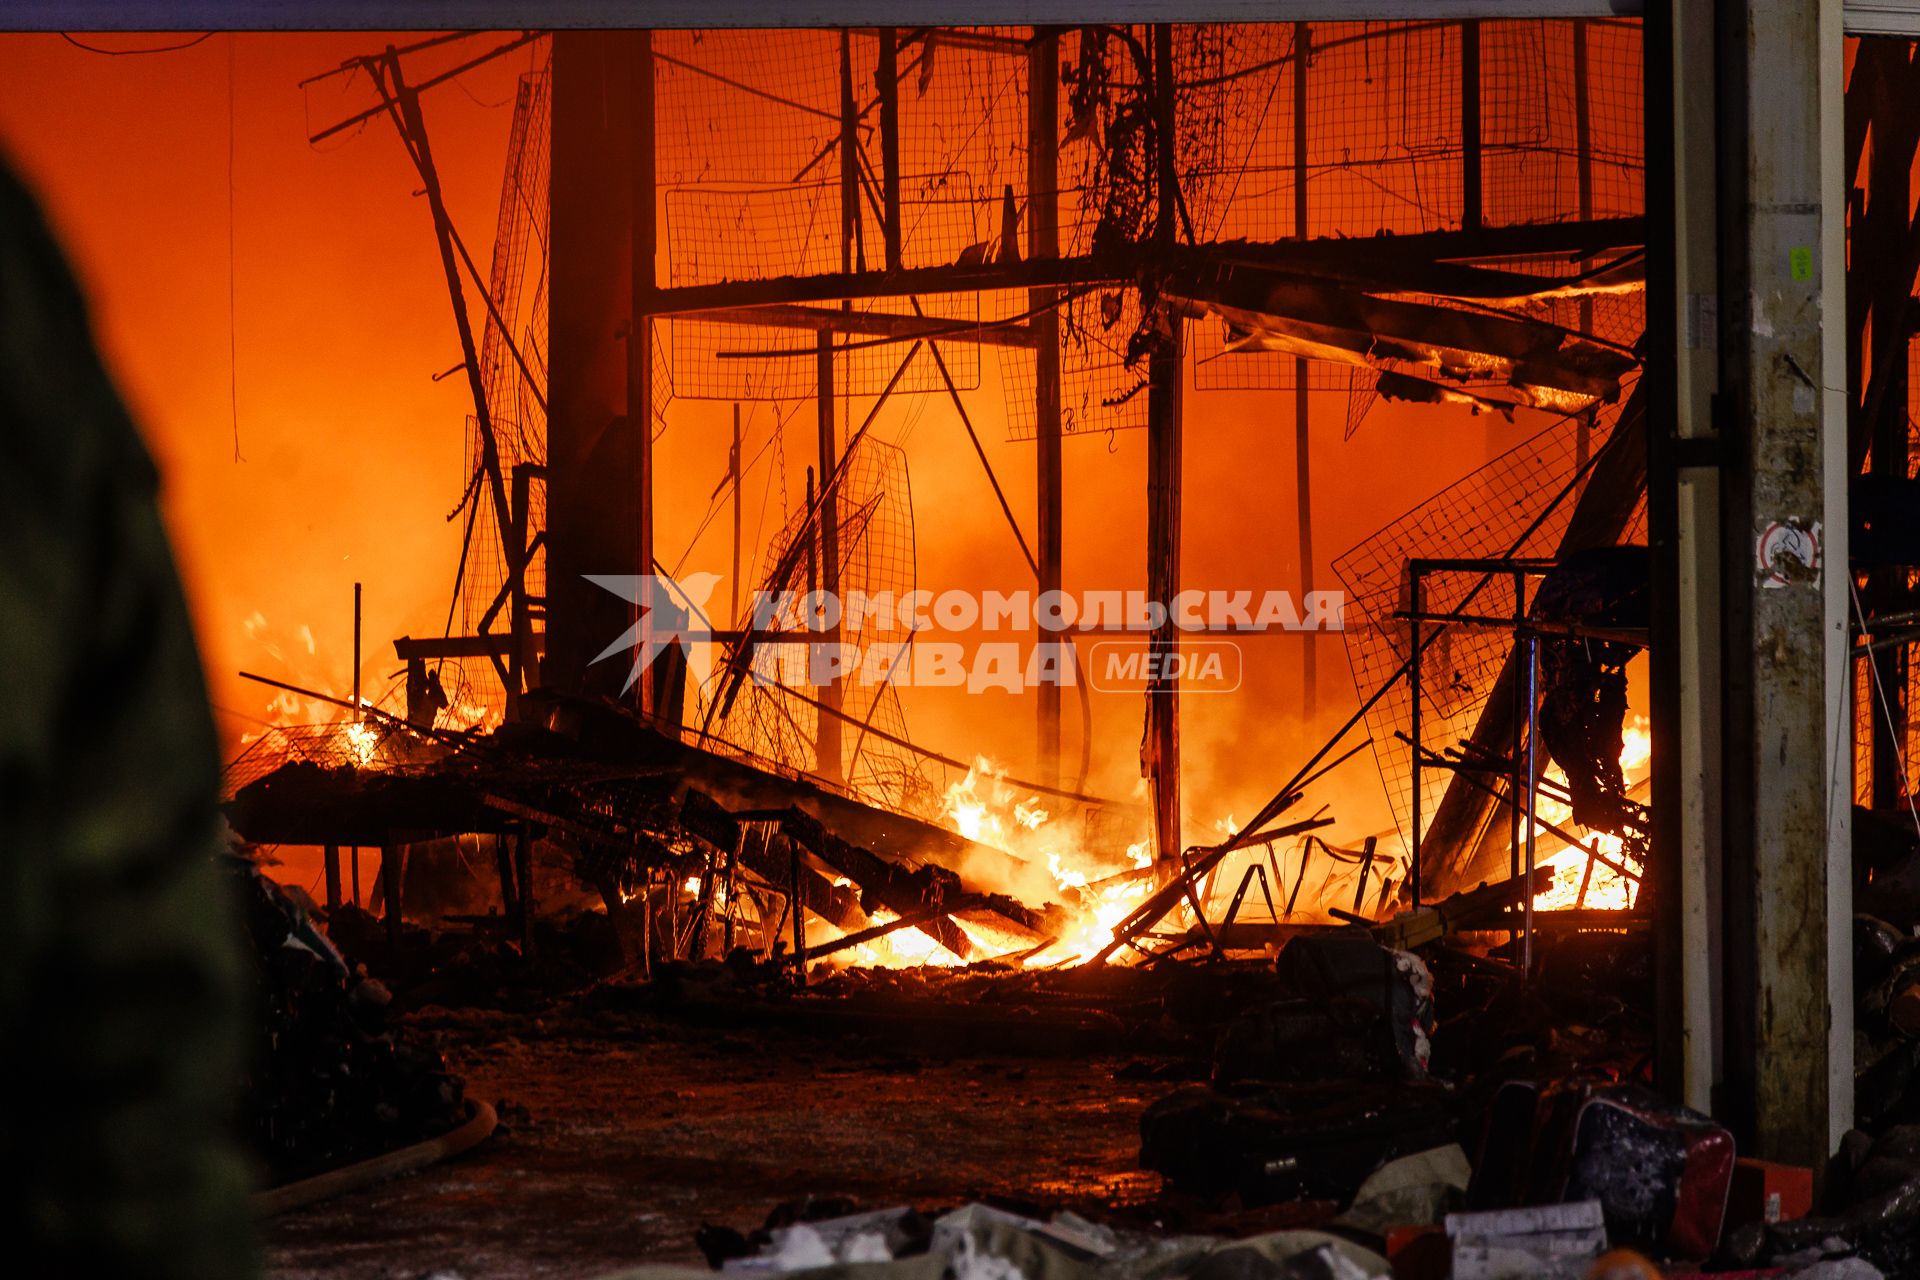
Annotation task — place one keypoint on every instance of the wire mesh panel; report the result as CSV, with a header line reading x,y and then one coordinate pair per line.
x,y
1383,113
774,716
776,204
1561,120
1098,392
1518,505
513,376
341,744
1560,139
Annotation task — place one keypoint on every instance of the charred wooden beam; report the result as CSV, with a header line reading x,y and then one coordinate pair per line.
x,y
726,833
898,889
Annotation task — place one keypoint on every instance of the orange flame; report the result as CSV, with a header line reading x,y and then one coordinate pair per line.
x,y
1605,888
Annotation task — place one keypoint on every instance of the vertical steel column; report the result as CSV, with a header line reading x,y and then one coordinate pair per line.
x,y
503,870
1470,178
1583,179
331,856
888,86
391,890
1302,483
1515,778
1684,884
1043,212
852,249
640,343
1533,801
520,657
1413,683
733,473
1163,492
827,738
597,454
358,715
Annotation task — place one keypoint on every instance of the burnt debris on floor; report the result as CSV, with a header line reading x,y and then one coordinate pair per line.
x,y
1401,1092
1396,1082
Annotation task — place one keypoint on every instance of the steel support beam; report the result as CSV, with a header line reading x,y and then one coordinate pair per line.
x,y
1684,532
1357,256
875,324
402,15
827,729
1164,372
1302,394
1043,221
637,438
597,450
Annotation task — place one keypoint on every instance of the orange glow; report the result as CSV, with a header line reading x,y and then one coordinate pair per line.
x,y
1606,889
347,453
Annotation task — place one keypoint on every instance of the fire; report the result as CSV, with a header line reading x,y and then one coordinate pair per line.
x,y
362,740
901,949
1102,906
1097,890
300,663
1605,888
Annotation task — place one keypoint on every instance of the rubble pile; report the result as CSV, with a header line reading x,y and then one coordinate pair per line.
x,y
329,1080
832,1238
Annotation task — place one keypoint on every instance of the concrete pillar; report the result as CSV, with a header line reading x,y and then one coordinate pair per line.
x,y
1786,891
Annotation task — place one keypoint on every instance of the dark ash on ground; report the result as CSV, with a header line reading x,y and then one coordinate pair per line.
x,y
621,1136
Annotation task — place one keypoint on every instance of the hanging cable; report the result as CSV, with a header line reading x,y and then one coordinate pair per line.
x,y
233,327
202,38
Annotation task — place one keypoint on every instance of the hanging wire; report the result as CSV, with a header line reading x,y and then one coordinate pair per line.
x,y
233,324
202,38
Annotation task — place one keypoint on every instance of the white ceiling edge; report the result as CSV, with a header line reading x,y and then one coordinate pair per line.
x,y
1882,17
413,15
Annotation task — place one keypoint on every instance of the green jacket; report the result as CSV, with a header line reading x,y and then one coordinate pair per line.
x,y
120,977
